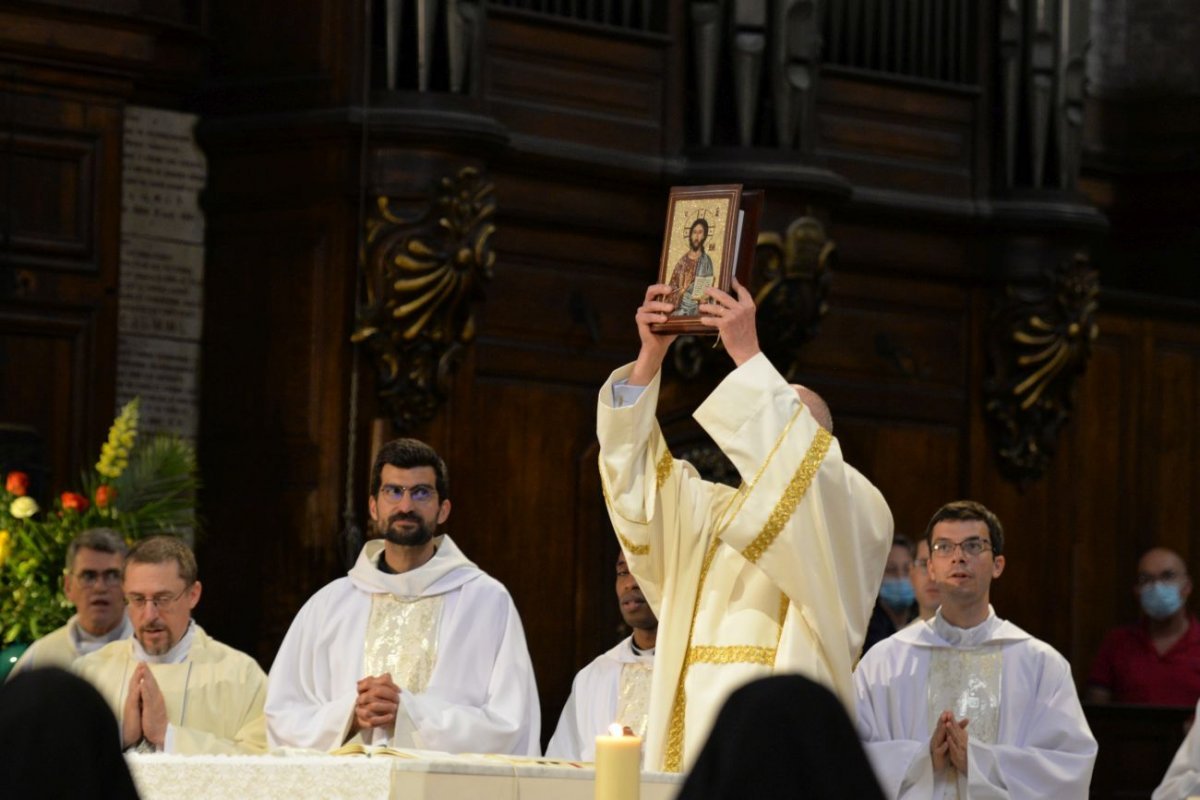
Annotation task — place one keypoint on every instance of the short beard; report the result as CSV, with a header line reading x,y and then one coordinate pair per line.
x,y
158,651
417,537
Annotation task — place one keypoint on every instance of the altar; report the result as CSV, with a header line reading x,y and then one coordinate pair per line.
x,y
406,776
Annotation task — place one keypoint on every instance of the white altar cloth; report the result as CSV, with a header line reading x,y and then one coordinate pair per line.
x,y
412,775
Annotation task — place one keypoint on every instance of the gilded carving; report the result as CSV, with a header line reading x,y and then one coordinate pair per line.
x,y
425,270
1041,339
795,274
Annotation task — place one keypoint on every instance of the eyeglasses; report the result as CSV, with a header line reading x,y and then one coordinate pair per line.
x,y
421,493
1166,576
944,548
162,601
90,577
920,563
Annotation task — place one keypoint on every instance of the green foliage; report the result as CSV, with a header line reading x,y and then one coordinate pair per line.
x,y
138,488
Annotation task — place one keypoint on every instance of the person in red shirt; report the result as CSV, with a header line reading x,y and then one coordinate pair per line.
x,y
1156,661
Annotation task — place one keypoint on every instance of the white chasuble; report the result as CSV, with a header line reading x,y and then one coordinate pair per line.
x,y
1027,737
780,575
449,635
615,687
402,639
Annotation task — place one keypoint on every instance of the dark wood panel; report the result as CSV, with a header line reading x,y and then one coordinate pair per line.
x,y
916,467
69,150
899,136
576,85
275,362
873,245
515,459
56,379
891,331
1099,454
272,55
1171,458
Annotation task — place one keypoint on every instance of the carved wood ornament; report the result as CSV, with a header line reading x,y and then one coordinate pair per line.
x,y
1040,342
425,273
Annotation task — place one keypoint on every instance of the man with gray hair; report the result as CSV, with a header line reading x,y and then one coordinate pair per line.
x,y
174,688
92,583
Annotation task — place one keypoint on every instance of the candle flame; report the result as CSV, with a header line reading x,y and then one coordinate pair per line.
x,y
616,729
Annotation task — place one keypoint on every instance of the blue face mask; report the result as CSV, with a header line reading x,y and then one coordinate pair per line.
x,y
897,593
1160,599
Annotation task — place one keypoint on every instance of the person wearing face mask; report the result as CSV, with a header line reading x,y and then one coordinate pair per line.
x,y
1152,662
897,602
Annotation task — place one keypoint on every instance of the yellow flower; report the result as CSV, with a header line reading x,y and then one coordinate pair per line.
x,y
23,507
114,454
5,546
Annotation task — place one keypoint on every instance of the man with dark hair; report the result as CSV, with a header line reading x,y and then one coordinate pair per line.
x,y
92,583
615,687
416,646
967,703
692,274
173,687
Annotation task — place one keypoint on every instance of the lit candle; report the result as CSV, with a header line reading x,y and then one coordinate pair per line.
x,y
618,759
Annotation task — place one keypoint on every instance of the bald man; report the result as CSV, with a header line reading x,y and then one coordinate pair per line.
x,y
779,575
1152,662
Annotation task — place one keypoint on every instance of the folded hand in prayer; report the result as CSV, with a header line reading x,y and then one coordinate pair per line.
x,y
378,702
949,743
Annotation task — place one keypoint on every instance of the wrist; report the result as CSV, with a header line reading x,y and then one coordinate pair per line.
x,y
742,355
645,368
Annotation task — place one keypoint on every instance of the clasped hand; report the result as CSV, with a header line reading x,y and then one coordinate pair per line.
x,y
949,743
378,702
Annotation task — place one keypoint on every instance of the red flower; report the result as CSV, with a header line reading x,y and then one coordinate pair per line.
x,y
104,495
17,483
74,502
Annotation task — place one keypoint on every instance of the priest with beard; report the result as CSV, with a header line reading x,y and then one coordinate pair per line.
x,y
416,647
173,687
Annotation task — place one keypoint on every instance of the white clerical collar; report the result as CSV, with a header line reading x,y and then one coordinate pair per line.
x,y
85,642
966,637
640,653
176,655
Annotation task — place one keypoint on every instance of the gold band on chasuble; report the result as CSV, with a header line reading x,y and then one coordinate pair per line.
x,y
630,548
743,654
662,471
796,489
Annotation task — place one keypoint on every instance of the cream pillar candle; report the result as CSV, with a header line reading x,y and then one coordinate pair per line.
x,y
618,762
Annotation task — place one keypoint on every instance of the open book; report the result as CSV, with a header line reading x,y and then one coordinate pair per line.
x,y
711,233
360,749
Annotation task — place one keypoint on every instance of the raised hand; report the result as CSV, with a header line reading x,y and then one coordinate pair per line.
x,y
733,317
654,308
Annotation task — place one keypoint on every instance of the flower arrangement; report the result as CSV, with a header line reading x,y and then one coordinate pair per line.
x,y
138,487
